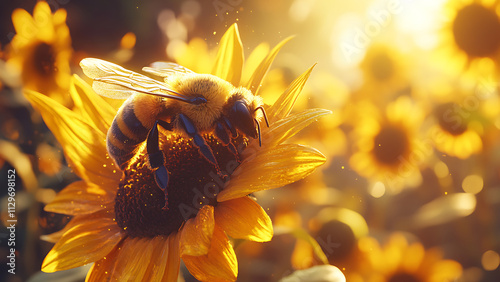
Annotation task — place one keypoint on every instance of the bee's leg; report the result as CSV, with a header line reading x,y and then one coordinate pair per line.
x,y
230,126
198,140
156,158
221,133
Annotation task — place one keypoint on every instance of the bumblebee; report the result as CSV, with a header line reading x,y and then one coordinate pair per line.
x,y
185,102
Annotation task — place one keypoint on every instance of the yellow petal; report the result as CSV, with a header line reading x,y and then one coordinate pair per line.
x,y
24,25
165,259
219,264
256,80
102,269
174,258
59,18
282,107
43,19
270,169
81,198
243,218
287,127
255,58
90,238
97,112
84,145
229,60
140,259
197,233
56,236
42,13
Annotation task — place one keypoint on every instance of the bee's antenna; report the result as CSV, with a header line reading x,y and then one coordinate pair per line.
x,y
258,129
263,113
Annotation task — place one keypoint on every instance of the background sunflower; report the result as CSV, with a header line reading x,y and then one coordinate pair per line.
x,y
413,91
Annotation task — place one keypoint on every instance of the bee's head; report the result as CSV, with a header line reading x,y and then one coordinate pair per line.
x,y
207,94
241,110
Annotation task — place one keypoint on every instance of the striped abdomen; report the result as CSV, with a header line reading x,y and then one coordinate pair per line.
x,y
127,132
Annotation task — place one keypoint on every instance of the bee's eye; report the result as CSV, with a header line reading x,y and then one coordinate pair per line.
x,y
242,118
198,100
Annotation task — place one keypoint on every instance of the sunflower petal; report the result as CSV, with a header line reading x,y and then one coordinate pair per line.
x,y
255,81
255,58
197,233
174,258
282,107
219,264
56,236
271,168
90,238
43,18
97,112
102,269
23,24
243,218
81,198
84,145
127,261
165,259
287,127
229,60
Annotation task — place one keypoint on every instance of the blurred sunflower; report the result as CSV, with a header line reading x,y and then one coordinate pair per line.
x,y
337,231
472,32
385,75
398,260
458,113
41,50
384,70
387,150
454,134
119,224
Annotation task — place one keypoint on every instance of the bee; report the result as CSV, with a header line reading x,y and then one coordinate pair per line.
x,y
185,102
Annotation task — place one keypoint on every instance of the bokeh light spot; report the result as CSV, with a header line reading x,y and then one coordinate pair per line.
x,y
473,184
377,190
490,260
441,170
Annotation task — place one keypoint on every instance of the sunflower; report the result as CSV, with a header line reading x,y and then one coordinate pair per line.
x,y
387,150
453,134
471,34
118,221
337,231
384,74
41,50
399,260
459,113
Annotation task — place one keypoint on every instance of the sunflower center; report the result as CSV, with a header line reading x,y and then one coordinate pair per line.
x,y
44,60
476,30
390,144
382,67
340,241
404,277
193,183
451,119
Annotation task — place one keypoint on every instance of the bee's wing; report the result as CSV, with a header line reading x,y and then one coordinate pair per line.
x,y
166,69
114,81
